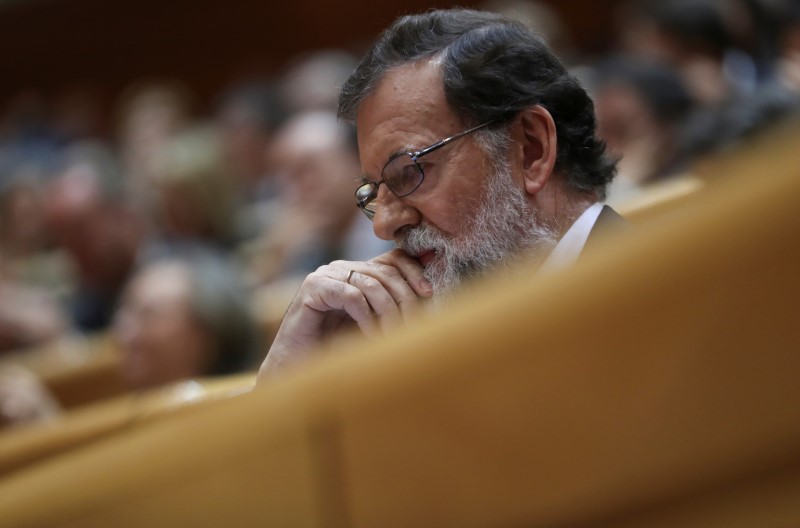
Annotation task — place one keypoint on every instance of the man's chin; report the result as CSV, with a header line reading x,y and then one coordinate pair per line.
x,y
444,280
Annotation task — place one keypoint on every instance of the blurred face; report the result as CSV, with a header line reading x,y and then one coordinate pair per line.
x,y
161,340
622,117
316,168
100,237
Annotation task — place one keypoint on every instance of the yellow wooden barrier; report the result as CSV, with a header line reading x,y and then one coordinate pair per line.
x,y
75,370
23,446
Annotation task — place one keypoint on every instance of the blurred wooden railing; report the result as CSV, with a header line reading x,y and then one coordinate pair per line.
x,y
24,446
76,370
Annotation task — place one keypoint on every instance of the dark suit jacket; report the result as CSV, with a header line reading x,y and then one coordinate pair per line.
x,y
607,223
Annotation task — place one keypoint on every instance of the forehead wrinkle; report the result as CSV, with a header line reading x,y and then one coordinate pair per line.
x,y
406,112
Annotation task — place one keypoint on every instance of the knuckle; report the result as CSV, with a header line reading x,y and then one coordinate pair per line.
x,y
322,270
384,269
371,282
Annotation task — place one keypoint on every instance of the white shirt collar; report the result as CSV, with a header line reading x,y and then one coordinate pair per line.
x,y
569,248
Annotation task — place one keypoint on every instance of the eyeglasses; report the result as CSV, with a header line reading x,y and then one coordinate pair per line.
x,y
402,174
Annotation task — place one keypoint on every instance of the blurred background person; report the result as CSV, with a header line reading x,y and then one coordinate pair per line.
x,y
316,165
312,81
184,316
247,117
193,200
728,125
93,223
26,252
641,108
695,37
772,37
149,113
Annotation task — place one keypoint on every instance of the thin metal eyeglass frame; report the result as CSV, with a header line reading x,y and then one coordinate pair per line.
x,y
362,203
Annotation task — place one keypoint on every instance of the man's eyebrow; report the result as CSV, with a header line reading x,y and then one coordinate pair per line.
x,y
361,179
404,150
408,149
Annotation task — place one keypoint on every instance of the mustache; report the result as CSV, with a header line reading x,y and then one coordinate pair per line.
x,y
419,239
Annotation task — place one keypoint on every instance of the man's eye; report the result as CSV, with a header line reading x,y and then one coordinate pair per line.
x,y
411,171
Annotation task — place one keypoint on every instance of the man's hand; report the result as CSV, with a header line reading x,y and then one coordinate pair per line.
x,y
377,295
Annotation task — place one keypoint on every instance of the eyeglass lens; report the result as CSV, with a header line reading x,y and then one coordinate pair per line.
x,y
402,175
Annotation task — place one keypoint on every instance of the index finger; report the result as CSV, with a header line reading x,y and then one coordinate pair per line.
x,y
410,269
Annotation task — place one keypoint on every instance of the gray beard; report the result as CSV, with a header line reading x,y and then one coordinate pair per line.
x,y
503,229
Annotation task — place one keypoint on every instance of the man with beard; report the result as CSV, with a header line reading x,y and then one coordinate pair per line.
x,y
477,148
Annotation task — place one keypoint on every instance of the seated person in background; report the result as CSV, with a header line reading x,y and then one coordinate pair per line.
x,y
314,158
183,317
91,221
477,147
193,202
641,108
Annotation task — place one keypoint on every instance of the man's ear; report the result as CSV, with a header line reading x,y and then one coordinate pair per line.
x,y
537,135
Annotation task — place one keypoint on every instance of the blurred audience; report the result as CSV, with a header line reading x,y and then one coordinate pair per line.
x,y
695,37
641,108
181,317
727,125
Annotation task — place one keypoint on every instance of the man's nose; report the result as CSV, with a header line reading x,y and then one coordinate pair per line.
x,y
392,214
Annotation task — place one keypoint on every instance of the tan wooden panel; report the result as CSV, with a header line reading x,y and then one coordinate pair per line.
x,y
662,198
76,370
23,446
